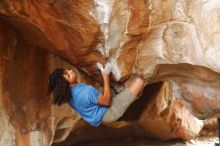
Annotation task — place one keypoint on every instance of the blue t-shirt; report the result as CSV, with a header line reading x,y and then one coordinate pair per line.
x,y
85,101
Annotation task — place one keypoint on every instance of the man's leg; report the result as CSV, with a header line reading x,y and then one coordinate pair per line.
x,y
121,101
136,86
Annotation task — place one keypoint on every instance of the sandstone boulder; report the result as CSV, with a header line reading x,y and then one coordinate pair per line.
x,y
174,42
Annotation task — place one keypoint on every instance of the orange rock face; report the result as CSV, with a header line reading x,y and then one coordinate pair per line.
x,y
174,42
27,117
170,113
64,28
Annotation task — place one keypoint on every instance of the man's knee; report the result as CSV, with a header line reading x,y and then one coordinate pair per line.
x,y
136,85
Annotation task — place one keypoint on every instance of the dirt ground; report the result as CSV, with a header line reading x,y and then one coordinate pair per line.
x,y
151,142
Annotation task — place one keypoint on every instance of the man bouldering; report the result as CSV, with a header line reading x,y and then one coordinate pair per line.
x,y
93,106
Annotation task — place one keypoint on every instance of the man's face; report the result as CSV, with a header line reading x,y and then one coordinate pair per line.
x,y
70,76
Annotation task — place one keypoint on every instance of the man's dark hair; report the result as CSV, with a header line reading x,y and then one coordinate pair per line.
x,y
59,86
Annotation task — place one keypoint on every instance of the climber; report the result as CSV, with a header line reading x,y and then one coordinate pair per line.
x,y
94,107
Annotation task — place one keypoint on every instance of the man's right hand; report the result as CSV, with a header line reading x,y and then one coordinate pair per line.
x,y
104,70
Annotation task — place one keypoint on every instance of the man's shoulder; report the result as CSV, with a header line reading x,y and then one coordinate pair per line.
x,y
79,86
91,88
84,90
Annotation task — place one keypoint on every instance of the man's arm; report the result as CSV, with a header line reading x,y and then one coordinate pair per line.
x,y
104,98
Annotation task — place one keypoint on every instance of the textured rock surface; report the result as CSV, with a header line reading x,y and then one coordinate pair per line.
x,y
172,116
210,128
135,36
176,41
27,118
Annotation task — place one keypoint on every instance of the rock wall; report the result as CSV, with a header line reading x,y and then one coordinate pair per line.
x,y
173,44
27,117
